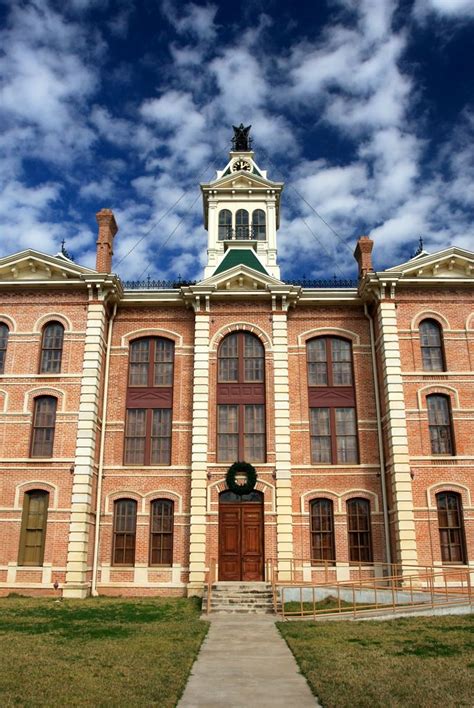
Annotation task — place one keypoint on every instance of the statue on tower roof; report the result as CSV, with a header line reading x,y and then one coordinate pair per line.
x,y
241,142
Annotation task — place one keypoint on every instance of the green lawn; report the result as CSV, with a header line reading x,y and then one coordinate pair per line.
x,y
416,662
97,652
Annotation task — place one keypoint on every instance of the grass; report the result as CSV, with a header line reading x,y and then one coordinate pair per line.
x,y
326,605
422,661
100,652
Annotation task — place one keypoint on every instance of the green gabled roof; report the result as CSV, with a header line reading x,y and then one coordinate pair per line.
x,y
240,256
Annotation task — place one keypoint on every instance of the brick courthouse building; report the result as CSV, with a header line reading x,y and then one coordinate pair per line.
x,y
123,408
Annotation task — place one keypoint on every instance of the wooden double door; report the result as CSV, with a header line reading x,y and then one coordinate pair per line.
x,y
241,539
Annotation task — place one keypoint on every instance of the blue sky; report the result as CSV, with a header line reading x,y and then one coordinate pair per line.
x,y
364,108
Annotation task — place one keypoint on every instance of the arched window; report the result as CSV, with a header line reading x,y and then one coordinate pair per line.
x,y
161,532
33,528
125,527
242,224
431,340
331,395
225,224
322,531
4,332
440,424
149,402
51,348
240,406
258,225
358,525
44,424
451,528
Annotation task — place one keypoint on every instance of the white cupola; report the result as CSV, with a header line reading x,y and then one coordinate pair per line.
x,y
242,209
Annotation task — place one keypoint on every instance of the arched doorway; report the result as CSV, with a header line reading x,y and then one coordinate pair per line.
x,y
241,548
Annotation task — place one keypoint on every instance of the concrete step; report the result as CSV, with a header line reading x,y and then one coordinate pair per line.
x,y
232,598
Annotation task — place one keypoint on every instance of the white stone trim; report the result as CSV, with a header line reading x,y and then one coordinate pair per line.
x,y
38,484
150,332
52,317
44,391
470,322
447,486
5,395
237,327
328,331
425,391
429,315
220,485
9,321
166,494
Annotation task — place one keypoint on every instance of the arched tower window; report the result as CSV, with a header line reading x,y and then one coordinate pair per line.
x,y
259,225
33,528
44,424
322,531
4,332
431,341
331,395
149,402
125,526
51,348
451,528
242,224
358,526
225,224
440,424
161,532
241,399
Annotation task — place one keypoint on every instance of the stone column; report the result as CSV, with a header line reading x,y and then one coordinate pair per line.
x,y
398,466
81,524
200,432
282,442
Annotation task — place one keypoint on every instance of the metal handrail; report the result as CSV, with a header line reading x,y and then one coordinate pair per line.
x,y
211,576
429,587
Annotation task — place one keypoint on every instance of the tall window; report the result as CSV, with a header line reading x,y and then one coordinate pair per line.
x,y
440,424
33,528
242,224
333,424
431,346
322,531
44,423
225,224
149,402
451,528
241,399
258,224
3,345
52,348
125,528
161,532
358,523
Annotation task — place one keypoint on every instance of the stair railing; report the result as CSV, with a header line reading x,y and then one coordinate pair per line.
x,y
211,577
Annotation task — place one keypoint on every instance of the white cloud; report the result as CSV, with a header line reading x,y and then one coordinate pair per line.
x,y
195,20
450,9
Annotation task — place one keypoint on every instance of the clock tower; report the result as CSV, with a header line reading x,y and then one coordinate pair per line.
x,y
242,209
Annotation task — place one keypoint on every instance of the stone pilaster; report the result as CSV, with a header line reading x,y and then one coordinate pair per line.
x,y
282,442
81,524
398,466
200,431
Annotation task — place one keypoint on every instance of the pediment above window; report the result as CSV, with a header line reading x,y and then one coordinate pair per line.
x,y
33,265
450,263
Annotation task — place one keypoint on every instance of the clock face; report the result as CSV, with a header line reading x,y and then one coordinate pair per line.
x,y
241,165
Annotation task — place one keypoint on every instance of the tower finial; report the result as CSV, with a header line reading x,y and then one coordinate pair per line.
x,y
419,250
241,142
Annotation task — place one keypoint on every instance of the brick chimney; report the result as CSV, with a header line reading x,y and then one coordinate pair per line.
x,y
107,230
363,255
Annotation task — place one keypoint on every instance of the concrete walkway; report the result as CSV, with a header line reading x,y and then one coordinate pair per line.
x,y
245,662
